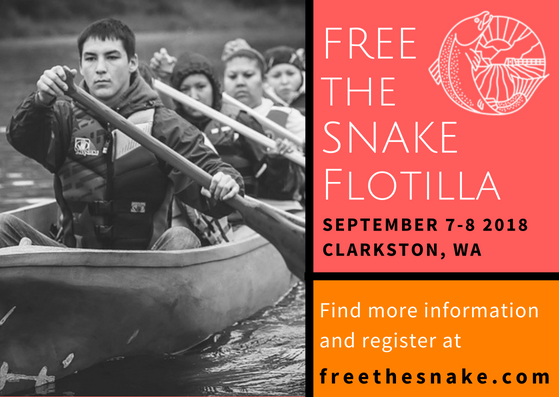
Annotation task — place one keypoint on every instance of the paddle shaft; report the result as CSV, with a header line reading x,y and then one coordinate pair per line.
x,y
287,237
275,127
297,220
156,147
242,129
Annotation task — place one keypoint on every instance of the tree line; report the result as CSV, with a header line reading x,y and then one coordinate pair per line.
x,y
28,17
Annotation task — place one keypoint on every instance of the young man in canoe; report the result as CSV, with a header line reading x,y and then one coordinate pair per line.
x,y
113,193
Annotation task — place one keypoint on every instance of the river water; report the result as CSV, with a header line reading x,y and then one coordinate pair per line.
x,y
262,355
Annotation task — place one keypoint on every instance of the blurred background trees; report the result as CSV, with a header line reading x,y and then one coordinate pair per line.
x,y
26,18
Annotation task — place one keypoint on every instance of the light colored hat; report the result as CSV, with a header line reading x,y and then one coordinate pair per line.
x,y
239,47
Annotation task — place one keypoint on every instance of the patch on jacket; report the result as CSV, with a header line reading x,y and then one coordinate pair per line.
x,y
84,147
138,207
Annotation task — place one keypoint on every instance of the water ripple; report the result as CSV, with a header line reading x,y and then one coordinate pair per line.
x,y
262,355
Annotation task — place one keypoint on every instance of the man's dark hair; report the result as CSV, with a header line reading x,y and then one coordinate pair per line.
x,y
107,29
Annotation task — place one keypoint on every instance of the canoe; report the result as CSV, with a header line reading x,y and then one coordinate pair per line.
x,y
63,310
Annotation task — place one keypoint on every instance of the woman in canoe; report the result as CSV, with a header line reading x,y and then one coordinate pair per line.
x,y
285,78
244,77
194,75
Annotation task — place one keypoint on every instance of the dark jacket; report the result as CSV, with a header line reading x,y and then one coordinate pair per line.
x,y
46,134
264,176
244,155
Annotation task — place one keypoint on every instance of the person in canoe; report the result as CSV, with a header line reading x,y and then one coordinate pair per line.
x,y
244,76
285,78
194,75
112,192
244,79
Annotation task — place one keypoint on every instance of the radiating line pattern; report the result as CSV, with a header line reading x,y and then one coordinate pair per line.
x,y
504,58
514,64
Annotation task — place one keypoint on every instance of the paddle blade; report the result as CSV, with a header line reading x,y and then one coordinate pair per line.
x,y
287,237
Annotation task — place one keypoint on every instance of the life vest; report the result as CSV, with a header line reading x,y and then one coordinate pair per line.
x,y
280,180
233,150
278,116
263,177
111,190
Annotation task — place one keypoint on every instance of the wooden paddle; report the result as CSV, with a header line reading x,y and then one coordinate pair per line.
x,y
287,237
275,127
295,156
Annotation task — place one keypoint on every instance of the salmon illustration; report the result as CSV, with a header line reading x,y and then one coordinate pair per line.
x,y
490,64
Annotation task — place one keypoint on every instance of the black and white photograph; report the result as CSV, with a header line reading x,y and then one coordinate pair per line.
x,y
152,197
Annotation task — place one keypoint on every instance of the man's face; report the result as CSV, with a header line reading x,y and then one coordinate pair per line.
x,y
106,68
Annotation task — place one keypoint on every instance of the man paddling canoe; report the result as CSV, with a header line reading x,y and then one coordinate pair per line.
x,y
113,193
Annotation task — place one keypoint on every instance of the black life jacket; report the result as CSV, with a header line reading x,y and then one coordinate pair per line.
x,y
263,177
111,190
281,179
234,149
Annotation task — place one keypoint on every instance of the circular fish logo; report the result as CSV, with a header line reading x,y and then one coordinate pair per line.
x,y
490,64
